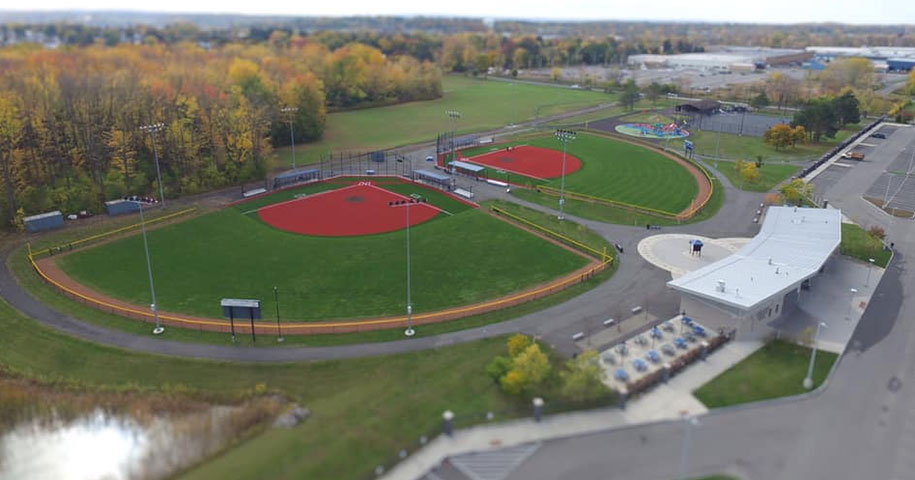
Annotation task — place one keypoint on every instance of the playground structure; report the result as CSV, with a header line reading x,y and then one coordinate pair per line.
x,y
661,131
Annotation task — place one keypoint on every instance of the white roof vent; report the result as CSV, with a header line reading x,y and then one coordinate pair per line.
x,y
720,285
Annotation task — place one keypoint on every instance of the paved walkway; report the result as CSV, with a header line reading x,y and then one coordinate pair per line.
x,y
663,403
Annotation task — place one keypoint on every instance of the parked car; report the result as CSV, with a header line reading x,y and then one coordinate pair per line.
x,y
879,135
853,155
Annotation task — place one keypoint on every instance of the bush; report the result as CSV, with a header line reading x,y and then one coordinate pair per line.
x,y
877,231
498,367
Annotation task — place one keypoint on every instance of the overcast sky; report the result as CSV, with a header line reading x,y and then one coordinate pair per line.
x,y
753,11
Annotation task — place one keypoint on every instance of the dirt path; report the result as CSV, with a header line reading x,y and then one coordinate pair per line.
x,y
52,273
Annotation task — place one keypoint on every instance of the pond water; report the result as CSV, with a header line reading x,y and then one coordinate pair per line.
x,y
100,446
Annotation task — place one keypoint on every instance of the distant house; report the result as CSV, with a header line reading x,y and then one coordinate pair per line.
x,y
702,107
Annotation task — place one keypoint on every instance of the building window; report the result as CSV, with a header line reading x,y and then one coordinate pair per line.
x,y
776,308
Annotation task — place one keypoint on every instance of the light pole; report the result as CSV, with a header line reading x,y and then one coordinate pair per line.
x,y
808,380
276,301
409,331
688,421
852,292
291,111
564,136
159,329
870,267
152,129
454,115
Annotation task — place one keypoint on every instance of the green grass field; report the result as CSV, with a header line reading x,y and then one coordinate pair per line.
x,y
776,370
745,147
608,214
363,410
484,104
456,260
857,243
618,171
770,175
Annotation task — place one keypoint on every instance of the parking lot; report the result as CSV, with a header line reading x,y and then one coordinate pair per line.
x,y
894,189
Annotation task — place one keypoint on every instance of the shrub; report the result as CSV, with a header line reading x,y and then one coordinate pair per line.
x,y
877,231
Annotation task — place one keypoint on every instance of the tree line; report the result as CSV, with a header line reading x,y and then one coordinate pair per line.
x,y
70,119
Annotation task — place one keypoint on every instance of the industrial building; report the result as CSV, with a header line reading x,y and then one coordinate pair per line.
x,y
724,59
893,59
763,280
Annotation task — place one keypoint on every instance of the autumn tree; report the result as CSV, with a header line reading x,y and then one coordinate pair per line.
x,y
844,73
582,378
795,190
10,134
782,88
630,95
779,136
749,172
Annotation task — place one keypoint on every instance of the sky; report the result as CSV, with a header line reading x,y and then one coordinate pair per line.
x,y
743,11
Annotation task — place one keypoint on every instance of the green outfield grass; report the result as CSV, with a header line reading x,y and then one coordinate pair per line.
x,y
618,171
456,260
622,216
746,147
776,370
770,175
484,104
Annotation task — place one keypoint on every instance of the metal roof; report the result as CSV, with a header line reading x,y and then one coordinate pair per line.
x,y
466,166
32,218
791,246
433,175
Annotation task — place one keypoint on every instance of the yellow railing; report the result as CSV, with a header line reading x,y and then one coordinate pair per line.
x,y
602,256
606,201
110,232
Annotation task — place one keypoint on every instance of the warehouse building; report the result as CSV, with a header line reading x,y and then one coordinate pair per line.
x,y
763,280
724,59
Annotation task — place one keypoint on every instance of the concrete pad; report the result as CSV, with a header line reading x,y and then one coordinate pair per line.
x,y
830,300
672,252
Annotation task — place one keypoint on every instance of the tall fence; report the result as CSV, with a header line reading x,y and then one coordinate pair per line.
x,y
377,162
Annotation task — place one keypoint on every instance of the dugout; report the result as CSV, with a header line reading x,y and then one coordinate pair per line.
x,y
120,207
296,176
467,168
44,221
428,176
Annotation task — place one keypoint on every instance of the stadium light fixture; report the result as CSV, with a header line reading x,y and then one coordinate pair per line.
x,y
140,201
291,111
276,302
152,129
564,136
409,331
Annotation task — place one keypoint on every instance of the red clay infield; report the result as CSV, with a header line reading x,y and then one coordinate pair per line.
x,y
529,161
361,209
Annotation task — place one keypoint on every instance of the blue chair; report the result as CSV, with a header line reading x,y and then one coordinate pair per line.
x,y
654,356
656,332
621,375
698,330
680,343
640,364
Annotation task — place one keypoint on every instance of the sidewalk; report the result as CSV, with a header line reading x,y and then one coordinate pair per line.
x,y
664,402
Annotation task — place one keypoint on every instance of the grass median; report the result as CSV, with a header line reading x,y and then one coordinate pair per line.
x,y
776,370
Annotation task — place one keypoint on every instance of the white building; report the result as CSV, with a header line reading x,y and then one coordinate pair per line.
x,y
763,280
722,59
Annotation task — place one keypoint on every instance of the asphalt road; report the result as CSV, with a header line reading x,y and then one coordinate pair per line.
x,y
861,426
